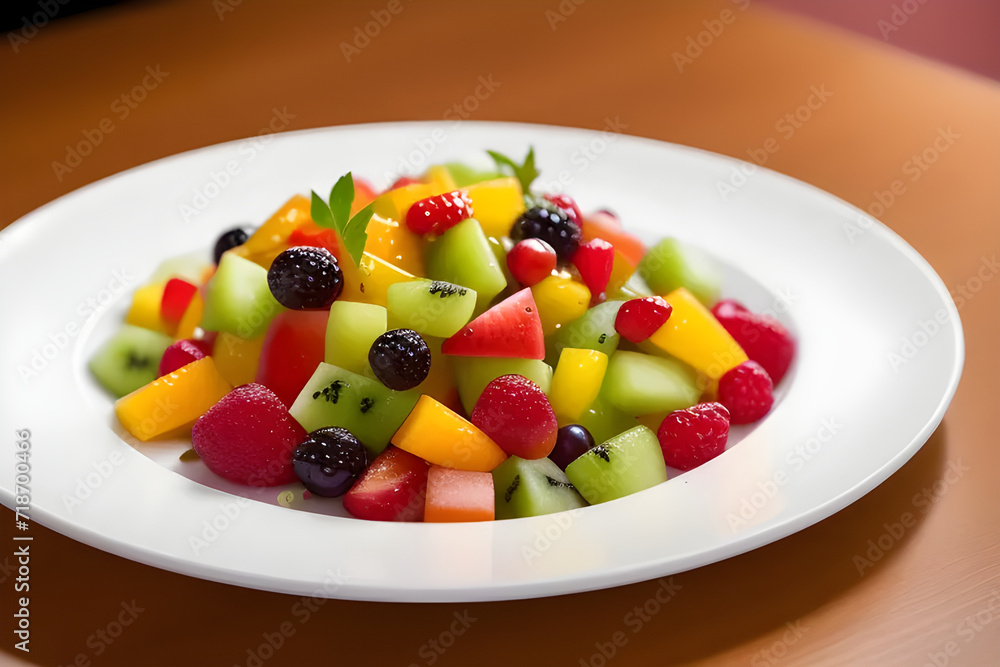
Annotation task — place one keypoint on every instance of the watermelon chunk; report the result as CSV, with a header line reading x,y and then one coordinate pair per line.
x,y
510,329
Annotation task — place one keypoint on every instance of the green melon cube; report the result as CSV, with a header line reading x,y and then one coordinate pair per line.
x,y
472,374
129,359
594,330
238,300
671,264
641,384
625,464
463,256
350,332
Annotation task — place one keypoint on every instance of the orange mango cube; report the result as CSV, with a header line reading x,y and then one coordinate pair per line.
x,y
440,436
172,401
237,358
458,495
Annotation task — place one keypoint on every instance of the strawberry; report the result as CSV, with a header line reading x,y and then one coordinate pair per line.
x,y
182,353
438,214
516,414
594,260
638,319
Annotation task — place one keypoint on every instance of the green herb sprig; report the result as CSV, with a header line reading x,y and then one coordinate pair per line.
x,y
337,215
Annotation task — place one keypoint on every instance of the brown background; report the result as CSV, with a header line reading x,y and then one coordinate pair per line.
x,y
225,77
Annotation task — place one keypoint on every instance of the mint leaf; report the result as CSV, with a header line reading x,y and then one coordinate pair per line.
x,y
321,213
341,198
525,173
355,234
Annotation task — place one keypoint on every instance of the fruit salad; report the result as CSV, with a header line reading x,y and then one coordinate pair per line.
x,y
459,347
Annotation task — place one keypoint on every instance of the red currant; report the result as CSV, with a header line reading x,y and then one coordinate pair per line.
x,y
531,261
638,319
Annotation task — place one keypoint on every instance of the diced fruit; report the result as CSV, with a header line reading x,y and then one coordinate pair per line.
x,y
594,260
191,319
238,300
516,415
532,488
604,225
311,234
292,348
129,359
440,383
227,241
350,332
497,203
248,437
671,264
440,436
530,261
572,442
431,307
628,463
396,203
180,354
145,309
177,295
458,495
746,392
595,330
395,244
463,256
693,436
374,278
367,408
172,401
303,278
464,175
329,460
763,338
393,488
560,301
566,203
190,267
364,194
604,421
400,359
237,358
638,319
551,225
472,374
695,337
272,237
576,382
438,214
509,329
638,384
621,273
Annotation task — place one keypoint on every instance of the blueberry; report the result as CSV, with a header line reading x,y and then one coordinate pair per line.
x,y
551,225
229,240
572,441
329,460
400,359
303,278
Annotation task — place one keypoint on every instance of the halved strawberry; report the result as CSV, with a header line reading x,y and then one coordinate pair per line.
x,y
438,214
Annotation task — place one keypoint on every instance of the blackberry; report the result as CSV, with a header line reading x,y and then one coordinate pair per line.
x,y
551,225
229,240
400,359
303,278
329,460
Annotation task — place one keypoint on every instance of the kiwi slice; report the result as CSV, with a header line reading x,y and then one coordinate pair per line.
x,y
129,360
430,307
625,464
532,488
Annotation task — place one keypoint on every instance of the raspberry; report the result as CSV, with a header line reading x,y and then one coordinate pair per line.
x,y
516,414
638,319
400,359
693,436
182,353
304,277
438,214
763,338
530,261
248,437
746,392
567,204
551,225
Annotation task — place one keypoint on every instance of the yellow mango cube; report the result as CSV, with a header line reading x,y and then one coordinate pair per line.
x,y
272,237
560,300
441,178
576,382
172,401
392,242
693,335
375,277
237,358
496,205
145,309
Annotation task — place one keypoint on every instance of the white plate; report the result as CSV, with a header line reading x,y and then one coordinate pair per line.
x,y
850,414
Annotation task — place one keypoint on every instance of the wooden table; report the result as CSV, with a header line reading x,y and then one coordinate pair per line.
x,y
225,66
